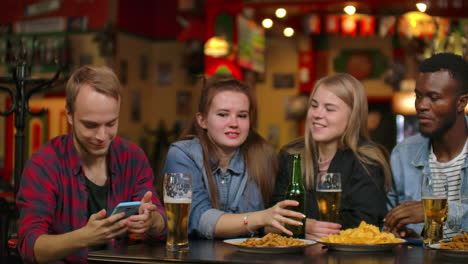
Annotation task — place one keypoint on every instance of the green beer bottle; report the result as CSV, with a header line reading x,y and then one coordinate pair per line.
x,y
296,192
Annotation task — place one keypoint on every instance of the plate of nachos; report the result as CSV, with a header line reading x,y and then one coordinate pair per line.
x,y
456,247
363,238
270,243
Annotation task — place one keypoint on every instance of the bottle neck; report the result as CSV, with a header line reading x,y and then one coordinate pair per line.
x,y
296,174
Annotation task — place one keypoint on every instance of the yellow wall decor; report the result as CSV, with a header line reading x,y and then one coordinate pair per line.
x,y
38,129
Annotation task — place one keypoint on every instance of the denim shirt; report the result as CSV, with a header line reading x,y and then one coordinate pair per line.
x,y
236,193
409,161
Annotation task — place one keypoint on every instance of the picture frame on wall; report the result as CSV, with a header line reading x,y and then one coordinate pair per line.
x,y
164,74
77,24
283,80
361,63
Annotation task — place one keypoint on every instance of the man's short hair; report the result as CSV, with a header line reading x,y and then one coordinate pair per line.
x,y
454,64
101,79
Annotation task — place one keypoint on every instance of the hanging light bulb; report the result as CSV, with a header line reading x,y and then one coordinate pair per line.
x,y
288,32
421,7
267,23
349,9
403,103
280,12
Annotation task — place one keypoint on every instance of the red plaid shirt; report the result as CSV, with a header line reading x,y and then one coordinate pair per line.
x,y
52,197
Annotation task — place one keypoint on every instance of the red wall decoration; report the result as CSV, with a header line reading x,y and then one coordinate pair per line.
x,y
349,25
332,24
306,71
367,25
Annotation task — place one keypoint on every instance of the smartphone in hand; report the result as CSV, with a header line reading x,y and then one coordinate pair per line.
x,y
130,208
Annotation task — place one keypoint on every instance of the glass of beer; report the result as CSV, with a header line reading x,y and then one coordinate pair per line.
x,y
434,190
177,200
328,191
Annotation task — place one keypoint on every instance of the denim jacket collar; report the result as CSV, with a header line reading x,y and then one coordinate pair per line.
x,y
421,160
236,165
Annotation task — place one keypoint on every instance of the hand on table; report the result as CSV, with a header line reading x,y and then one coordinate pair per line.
x,y
317,229
402,215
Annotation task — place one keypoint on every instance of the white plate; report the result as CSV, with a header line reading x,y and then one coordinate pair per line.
x,y
450,252
268,250
361,247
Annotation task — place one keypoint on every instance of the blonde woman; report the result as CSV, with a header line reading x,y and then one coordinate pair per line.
x,y
337,140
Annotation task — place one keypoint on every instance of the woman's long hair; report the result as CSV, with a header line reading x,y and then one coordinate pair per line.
x,y
351,91
259,156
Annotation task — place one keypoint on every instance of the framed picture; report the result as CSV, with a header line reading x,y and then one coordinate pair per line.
x,y
283,80
77,23
164,74
361,63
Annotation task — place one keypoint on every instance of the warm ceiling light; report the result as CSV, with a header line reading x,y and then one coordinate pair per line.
x,y
288,32
280,12
267,23
421,7
350,10
403,103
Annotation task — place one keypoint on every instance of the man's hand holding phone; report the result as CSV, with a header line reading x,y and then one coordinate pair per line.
x,y
101,229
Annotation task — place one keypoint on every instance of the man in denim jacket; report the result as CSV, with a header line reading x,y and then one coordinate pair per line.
x,y
441,97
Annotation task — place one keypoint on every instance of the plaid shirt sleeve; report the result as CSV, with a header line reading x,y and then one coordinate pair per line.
x,y
36,203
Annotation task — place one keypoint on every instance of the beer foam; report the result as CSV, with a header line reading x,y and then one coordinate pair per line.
x,y
168,199
330,190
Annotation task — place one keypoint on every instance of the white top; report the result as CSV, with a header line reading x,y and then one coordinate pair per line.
x,y
451,169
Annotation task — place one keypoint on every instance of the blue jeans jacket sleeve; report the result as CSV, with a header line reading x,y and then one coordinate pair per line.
x,y
203,217
408,161
393,193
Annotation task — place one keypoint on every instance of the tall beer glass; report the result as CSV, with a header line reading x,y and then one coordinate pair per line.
x,y
328,191
434,191
177,200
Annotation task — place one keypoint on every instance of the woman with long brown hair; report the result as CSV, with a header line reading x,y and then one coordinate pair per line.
x,y
337,140
233,168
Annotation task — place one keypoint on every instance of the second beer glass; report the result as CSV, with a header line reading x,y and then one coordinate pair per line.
x,y
434,192
328,191
177,200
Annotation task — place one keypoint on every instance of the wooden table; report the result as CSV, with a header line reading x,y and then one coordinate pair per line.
x,y
215,251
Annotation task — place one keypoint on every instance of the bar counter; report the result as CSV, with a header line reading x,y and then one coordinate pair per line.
x,y
216,251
